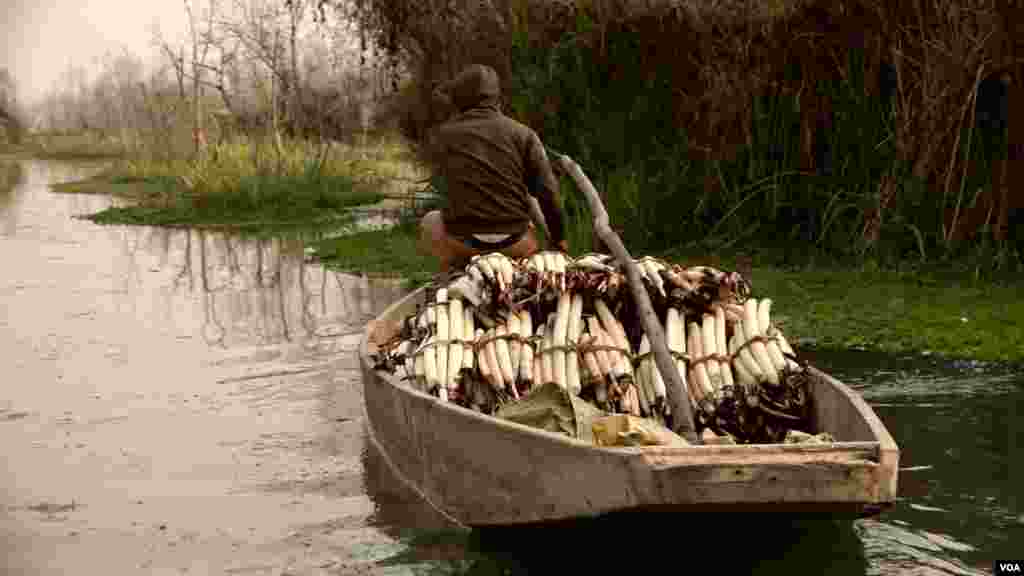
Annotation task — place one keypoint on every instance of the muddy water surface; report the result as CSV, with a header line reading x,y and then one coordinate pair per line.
x,y
178,402
174,400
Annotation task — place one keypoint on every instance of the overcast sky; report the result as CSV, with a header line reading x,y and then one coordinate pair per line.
x,y
40,38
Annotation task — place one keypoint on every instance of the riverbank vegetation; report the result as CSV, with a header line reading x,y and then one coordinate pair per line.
x,y
859,130
261,118
247,184
913,308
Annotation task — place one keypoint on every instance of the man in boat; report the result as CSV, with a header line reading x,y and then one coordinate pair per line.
x,y
492,165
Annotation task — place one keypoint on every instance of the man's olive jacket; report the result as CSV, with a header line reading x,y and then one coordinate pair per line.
x,y
491,163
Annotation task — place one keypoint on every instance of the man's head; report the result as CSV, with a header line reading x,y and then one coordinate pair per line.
x,y
477,86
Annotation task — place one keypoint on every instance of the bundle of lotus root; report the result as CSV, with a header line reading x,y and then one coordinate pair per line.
x,y
501,327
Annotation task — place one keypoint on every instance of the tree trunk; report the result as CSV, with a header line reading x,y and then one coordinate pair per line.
x,y
297,100
1011,185
179,71
196,90
275,134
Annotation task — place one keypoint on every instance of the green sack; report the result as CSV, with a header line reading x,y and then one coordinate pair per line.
x,y
554,409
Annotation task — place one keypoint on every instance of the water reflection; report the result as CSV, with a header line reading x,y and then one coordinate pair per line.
x,y
899,549
239,291
250,292
204,374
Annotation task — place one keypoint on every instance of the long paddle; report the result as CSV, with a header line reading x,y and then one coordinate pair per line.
x,y
678,398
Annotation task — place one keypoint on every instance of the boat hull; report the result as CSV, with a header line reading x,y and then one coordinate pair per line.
x,y
481,471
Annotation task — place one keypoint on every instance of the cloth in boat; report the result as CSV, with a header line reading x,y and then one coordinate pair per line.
x,y
552,408
629,430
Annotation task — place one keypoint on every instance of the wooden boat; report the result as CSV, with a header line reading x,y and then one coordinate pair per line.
x,y
481,471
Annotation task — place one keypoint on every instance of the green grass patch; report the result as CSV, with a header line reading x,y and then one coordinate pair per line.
x,y
326,204
889,312
913,309
184,216
244,186
264,205
390,252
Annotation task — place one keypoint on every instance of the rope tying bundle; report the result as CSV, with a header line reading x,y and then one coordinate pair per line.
x,y
483,341
757,338
585,347
675,356
435,343
720,358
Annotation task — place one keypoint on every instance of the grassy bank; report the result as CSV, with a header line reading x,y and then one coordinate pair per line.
x,y
249,185
64,146
919,309
880,310
258,204
935,311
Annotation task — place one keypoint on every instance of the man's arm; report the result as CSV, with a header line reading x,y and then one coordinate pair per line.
x,y
544,186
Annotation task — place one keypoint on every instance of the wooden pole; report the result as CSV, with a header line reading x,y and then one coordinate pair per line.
x,y
678,397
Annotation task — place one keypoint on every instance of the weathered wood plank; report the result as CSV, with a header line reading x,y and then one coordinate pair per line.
x,y
739,459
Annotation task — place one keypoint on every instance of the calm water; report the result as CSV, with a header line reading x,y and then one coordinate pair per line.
x,y
185,402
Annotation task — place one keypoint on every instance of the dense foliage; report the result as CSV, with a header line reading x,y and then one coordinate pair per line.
x,y
856,130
